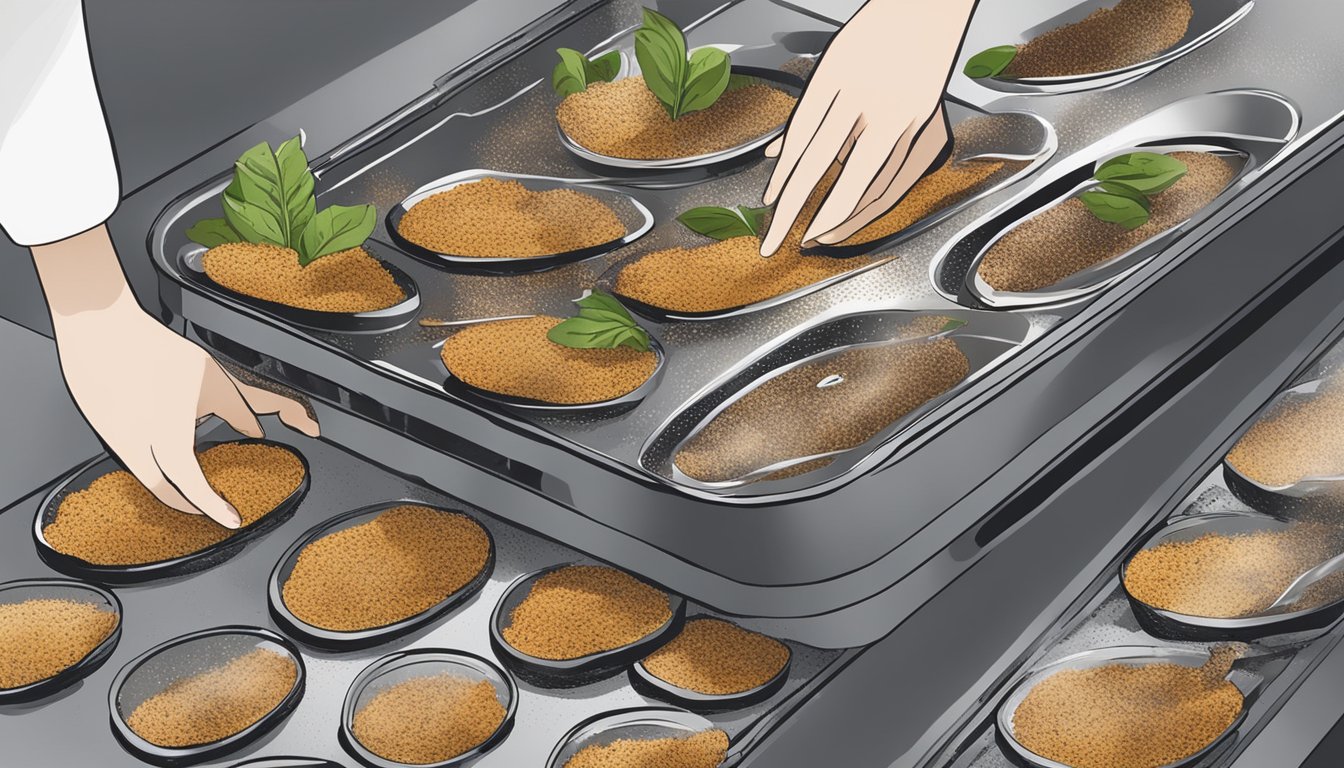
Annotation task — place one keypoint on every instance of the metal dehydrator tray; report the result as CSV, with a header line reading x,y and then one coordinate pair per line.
x,y
799,550
71,727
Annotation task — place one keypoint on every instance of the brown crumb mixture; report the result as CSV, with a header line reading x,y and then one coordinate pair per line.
x,y
116,521
581,610
881,385
706,749
429,719
624,119
1230,576
1131,32
399,564
731,273
514,357
217,703
501,218
43,637
717,658
346,281
1301,438
1067,238
1122,716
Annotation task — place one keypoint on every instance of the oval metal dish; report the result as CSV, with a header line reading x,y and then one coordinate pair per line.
x,y
985,340
62,589
1171,625
636,218
82,476
375,321
651,685
1252,126
151,672
407,665
637,724
1310,494
332,639
612,407
571,673
1211,19
1137,655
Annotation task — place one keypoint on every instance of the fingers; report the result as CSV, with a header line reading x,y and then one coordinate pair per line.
x,y
807,173
807,119
147,472
290,411
911,170
220,395
176,459
772,149
869,158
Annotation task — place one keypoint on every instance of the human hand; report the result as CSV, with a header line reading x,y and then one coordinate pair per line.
x,y
875,104
142,387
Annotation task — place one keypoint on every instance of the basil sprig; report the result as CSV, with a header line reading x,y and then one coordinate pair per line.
x,y
1127,182
682,84
575,72
990,62
270,201
602,323
724,223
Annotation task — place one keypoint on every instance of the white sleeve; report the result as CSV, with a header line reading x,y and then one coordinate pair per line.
x,y
58,176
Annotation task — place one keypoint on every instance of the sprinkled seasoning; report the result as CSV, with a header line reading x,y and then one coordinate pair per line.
x,y
1295,440
429,719
581,610
706,749
116,521
346,281
43,637
716,658
1131,32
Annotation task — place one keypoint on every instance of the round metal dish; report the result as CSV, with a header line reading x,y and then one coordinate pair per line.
x,y
307,633
1130,655
82,476
407,665
571,673
62,589
637,218
637,724
375,321
1178,626
611,407
153,671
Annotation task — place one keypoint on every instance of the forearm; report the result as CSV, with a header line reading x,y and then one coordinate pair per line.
x,y
82,274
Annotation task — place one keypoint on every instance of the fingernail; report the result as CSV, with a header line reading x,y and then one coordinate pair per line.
x,y
234,520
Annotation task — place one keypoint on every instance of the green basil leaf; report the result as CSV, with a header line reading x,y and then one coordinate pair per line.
x,y
255,223
570,74
706,78
334,229
602,323
660,48
578,333
604,301
990,62
604,68
755,218
213,232
636,338
718,223
1117,205
1147,173
951,325
259,181
296,187
738,80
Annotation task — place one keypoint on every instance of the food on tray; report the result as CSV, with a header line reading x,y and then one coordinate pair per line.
x,y
683,104
1096,226
1229,576
397,565
273,244
716,658
43,637
217,703
706,749
1297,439
731,273
581,610
600,355
1131,32
117,521
1123,716
429,719
502,218
861,391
